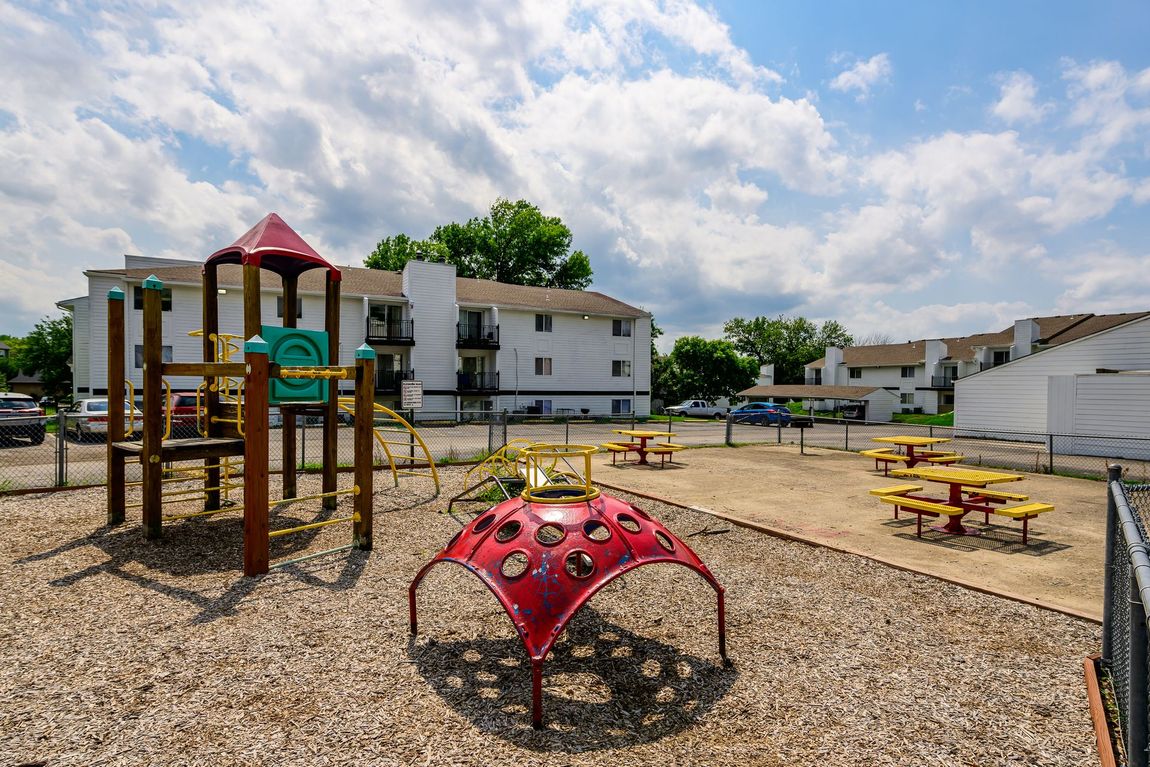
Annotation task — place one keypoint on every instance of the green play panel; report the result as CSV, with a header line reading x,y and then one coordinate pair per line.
x,y
293,347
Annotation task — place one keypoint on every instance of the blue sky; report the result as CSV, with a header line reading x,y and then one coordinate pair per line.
x,y
910,170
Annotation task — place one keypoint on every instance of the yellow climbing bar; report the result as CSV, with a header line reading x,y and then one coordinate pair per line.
x,y
316,372
317,496
312,526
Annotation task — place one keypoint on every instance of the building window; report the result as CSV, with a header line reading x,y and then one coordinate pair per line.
x,y
542,366
621,368
1001,358
543,406
906,398
165,355
908,371
542,323
621,327
280,307
620,406
165,299
854,372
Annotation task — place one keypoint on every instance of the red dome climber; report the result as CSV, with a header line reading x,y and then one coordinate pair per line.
x,y
544,555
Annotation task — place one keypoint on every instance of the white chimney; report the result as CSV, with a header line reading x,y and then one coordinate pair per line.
x,y
831,363
1025,337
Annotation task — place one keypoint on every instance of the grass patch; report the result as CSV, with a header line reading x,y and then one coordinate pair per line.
x,y
923,419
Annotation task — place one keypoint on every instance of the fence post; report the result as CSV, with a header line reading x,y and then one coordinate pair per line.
x,y
727,436
802,441
504,426
1136,717
846,434
1050,451
491,433
1113,474
302,443
61,447
411,438
779,431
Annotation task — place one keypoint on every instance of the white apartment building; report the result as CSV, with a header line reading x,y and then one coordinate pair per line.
x,y
922,374
476,345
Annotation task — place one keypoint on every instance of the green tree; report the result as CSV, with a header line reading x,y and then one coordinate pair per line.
x,y
786,343
664,379
711,369
514,243
47,350
8,365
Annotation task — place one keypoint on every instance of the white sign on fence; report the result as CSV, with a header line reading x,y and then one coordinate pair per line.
x,y
411,392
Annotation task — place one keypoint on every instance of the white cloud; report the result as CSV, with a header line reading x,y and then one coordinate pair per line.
x,y
863,76
1016,103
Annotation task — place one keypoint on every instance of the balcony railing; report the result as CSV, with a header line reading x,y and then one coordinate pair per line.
x,y
477,382
814,380
476,336
388,380
384,331
942,382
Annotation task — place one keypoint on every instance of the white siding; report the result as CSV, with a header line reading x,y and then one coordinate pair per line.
x,y
81,345
581,352
1013,397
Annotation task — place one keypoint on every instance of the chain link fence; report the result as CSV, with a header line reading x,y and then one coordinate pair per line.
x,y
1125,607
1086,456
71,449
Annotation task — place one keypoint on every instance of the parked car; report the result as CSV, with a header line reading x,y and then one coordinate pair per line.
x,y
21,417
854,411
762,413
697,408
88,418
185,420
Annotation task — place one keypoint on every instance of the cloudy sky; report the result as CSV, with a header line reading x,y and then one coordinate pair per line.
x,y
903,168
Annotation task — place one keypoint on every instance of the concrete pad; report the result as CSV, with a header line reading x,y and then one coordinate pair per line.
x,y
823,497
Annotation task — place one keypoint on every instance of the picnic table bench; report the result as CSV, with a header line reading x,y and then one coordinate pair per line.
x,y
886,456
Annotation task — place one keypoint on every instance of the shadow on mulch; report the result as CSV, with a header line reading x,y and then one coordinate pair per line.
x,y
603,686
1003,540
201,546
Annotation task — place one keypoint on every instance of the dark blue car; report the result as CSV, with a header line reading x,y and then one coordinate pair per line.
x,y
762,413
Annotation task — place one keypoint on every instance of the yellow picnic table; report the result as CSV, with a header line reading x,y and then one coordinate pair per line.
x,y
643,435
956,480
910,443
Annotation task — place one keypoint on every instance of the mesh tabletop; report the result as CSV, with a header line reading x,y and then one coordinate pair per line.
x,y
975,477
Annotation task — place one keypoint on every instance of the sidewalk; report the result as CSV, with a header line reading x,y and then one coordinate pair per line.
x,y
822,497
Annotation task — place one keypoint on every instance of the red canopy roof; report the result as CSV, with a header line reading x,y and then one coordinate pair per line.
x,y
273,245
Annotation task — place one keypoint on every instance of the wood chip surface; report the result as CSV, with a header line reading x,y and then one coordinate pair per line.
x,y
119,651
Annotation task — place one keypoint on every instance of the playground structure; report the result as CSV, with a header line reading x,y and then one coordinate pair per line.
x,y
282,366
545,553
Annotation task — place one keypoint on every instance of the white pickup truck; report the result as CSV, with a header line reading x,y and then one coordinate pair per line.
x,y
697,408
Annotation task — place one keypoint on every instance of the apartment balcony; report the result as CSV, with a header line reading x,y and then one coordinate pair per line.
x,y
942,382
400,333
814,380
387,381
476,336
478,382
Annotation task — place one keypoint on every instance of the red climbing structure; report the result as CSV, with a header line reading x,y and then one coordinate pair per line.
x,y
545,554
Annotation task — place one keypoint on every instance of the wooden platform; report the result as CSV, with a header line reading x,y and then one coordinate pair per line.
x,y
191,449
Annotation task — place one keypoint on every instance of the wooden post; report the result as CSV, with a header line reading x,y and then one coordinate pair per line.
x,y
211,328
364,417
256,456
252,321
288,433
115,460
331,410
150,458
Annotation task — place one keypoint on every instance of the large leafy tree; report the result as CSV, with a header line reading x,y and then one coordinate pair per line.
x,y
8,364
787,343
514,243
710,370
47,350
